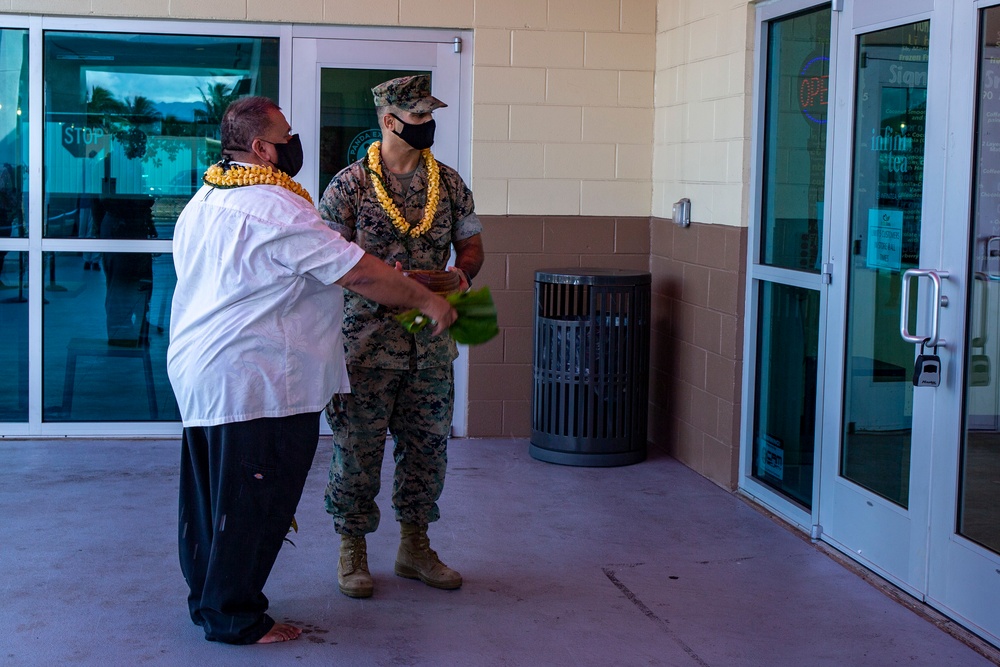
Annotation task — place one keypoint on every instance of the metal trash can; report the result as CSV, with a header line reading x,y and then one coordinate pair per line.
x,y
591,366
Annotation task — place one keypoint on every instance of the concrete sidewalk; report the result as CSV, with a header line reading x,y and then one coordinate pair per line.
x,y
647,564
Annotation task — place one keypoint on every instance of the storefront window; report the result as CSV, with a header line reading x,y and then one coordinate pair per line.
x,y
791,237
13,225
785,421
131,124
137,117
979,509
798,64
887,195
105,337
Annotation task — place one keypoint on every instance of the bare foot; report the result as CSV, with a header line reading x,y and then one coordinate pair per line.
x,y
281,632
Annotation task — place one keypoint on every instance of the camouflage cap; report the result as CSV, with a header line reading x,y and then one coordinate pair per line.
x,y
409,93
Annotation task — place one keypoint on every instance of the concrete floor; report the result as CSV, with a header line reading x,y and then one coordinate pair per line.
x,y
647,564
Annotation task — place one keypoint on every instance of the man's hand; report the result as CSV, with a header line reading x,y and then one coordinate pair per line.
x,y
440,312
382,283
463,278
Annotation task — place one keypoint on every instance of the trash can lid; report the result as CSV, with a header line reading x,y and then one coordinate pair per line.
x,y
582,275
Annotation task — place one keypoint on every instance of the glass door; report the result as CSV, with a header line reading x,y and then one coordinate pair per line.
x,y
912,487
900,249
964,545
333,111
888,194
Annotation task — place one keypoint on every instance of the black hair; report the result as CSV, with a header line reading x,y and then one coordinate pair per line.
x,y
245,119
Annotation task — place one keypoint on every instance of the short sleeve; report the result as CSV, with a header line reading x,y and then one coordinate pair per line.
x,y
463,208
341,201
318,251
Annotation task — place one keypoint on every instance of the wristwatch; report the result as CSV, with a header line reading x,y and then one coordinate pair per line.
x,y
468,278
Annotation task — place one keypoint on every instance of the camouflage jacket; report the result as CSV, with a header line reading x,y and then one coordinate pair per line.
x,y
349,206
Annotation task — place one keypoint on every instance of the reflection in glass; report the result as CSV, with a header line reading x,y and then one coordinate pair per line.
x,y
798,64
979,507
104,337
13,140
13,225
14,334
348,125
785,414
137,116
887,193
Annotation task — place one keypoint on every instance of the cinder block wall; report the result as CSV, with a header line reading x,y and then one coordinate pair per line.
x,y
696,350
696,354
500,371
704,62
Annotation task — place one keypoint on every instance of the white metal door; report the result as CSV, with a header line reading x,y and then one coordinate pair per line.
x,y
964,542
886,218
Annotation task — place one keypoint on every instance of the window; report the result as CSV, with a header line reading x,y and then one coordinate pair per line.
x,y
798,65
131,123
13,226
793,180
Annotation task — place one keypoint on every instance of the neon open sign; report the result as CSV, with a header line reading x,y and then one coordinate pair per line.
x,y
813,88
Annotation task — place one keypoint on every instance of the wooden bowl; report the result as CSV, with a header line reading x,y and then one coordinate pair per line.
x,y
440,282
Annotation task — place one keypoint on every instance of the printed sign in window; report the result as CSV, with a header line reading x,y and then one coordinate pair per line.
x,y
885,238
772,456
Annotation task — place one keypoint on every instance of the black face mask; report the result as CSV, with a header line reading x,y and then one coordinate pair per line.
x,y
419,136
289,155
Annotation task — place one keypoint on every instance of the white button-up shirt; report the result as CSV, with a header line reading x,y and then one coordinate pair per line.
x,y
255,321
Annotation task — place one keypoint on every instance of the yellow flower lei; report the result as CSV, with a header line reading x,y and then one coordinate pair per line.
x,y
433,192
238,175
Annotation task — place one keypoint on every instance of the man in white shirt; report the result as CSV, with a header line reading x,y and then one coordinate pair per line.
x,y
256,352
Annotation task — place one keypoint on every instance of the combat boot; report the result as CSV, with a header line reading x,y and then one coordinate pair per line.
x,y
416,560
352,568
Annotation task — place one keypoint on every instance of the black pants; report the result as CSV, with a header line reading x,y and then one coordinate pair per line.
x,y
239,486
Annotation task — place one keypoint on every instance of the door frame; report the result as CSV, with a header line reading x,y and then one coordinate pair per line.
x,y
758,273
855,520
952,558
313,48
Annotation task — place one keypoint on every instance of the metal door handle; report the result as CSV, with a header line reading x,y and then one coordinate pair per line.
x,y
984,304
934,339
992,250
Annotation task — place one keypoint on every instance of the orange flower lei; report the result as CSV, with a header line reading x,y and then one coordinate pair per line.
x,y
433,192
239,175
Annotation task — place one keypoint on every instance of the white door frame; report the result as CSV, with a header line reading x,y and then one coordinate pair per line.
x,y
313,49
887,538
758,273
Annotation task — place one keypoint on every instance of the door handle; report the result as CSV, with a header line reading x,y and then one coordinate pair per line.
x,y
934,339
992,251
984,304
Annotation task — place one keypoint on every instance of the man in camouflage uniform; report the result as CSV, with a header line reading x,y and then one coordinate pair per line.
x,y
400,381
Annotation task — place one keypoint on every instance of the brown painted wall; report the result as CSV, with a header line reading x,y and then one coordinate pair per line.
x,y
696,349
696,353
516,246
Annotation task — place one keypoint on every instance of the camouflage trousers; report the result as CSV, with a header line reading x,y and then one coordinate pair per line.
x,y
416,407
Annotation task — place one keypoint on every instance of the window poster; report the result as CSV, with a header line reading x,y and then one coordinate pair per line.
x,y
885,239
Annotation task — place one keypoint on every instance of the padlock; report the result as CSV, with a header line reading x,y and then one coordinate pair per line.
x,y
927,369
979,370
